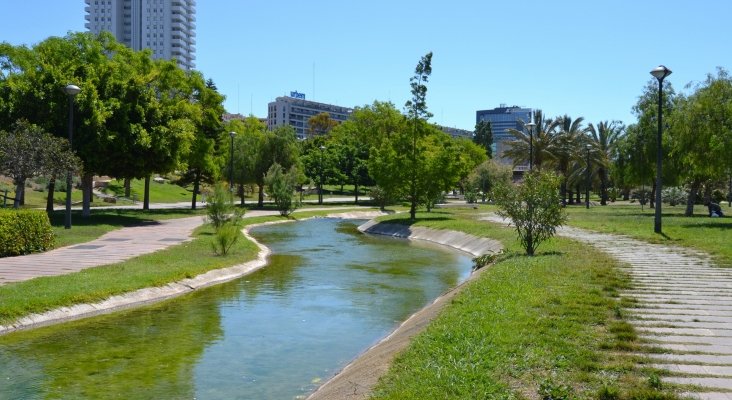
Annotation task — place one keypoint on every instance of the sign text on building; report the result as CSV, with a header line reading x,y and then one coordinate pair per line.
x,y
297,95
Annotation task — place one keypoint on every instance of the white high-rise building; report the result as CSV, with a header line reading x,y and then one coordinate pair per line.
x,y
167,27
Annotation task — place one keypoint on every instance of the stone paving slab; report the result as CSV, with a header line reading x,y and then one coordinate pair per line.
x,y
692,369
693,348
709,395
709,359
712,383
657,324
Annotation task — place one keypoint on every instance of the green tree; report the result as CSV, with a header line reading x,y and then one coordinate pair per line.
x,y
544,137
248,144
604,139
202,162
533,207
487,175
27,151
282,186
321,124
416,110
701,126
565,148
484,137
278,146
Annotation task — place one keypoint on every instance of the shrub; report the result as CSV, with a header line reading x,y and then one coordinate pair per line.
x,y
534,207
674,195
471,197
225,237
380,196
220,208
24,232
483,260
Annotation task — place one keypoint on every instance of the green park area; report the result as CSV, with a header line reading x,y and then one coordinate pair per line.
x,y
546,318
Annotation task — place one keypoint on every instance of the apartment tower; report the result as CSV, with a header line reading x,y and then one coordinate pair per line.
x,y
167,27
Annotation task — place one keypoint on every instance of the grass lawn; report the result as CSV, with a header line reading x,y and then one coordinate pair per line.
x,y
712,235
548,326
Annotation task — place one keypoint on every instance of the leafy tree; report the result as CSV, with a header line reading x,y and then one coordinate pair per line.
x,y
566,148
484,137
27,151
416,110
487,175
203,166
248,144
469,155
533,206
225,218
278,146
282,188
702,132
646,110
321,124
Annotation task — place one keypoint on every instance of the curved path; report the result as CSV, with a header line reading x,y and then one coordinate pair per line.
x,y
684,306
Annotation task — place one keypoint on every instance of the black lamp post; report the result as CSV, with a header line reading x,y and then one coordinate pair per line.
x,y
71,92
659,73
231,162
530,126
589,174
320,189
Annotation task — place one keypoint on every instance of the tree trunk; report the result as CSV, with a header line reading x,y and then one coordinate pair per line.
x,y
128,185
51,192
241,193
18,192
707,193
22,194
579,194
196,188
603,186
355,187
563,191
570,196
260,200
691,198
87,180
626,194
146,195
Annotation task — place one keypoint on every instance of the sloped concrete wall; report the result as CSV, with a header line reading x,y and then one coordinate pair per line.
x,y
458,240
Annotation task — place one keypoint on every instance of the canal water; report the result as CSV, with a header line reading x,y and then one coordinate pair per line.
x,y
328,293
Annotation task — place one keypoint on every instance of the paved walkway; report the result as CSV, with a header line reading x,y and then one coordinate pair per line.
x,y
112,247
684,307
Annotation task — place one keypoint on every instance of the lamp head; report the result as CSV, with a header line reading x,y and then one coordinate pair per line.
x,y
660,72
71,90
232,134
530,125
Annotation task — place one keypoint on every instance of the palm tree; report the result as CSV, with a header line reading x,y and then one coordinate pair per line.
x,y
604,140
565,147
543,136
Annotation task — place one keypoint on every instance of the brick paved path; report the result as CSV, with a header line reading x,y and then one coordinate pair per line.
x,y
684,306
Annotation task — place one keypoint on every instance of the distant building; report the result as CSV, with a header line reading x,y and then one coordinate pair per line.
x,y
167,27
502,119
455,132
296,111
230,117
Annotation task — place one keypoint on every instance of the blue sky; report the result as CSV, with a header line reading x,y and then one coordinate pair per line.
x,y
581,58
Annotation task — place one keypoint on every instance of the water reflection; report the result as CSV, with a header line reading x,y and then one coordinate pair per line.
x,y
328,293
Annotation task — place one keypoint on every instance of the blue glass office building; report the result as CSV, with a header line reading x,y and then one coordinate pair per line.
x,y
502,119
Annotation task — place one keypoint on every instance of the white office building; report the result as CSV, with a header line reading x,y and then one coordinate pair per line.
x,y
167,27
296,111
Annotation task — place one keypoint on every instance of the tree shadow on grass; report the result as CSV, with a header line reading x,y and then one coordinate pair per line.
x,y
121,218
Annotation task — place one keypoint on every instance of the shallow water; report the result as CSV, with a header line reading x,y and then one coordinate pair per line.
x,y
328,293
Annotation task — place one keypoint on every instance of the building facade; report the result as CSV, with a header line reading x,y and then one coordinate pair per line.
x,y
167,27
502,119
296,111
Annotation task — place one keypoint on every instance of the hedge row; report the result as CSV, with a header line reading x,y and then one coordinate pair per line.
x,y
24,232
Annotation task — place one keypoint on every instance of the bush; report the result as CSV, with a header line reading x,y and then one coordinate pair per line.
x,y
534,207
24,232
380,196
220,208
225,237
674,195
471,197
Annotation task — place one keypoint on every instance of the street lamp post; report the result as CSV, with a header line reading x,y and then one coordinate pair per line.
x,y
531,126
320,189
659,73
231,162
71,92
588,182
